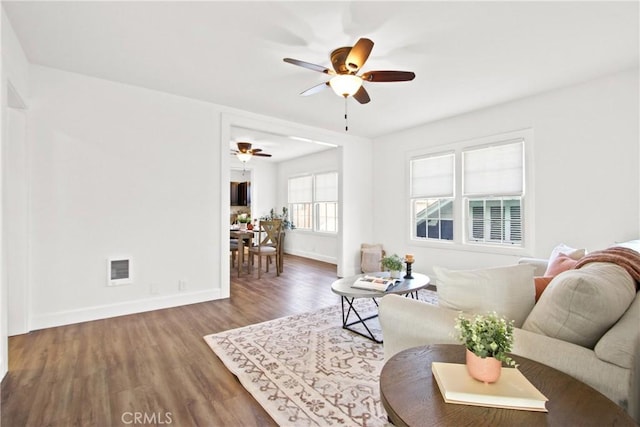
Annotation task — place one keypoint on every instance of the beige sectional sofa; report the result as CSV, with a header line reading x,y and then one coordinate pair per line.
x,y
586,324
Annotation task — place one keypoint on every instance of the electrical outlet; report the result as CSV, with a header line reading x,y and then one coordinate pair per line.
x,y
182,285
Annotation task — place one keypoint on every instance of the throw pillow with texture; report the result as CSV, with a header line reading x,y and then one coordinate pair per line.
x,y
561,263
370,256
508,291
579,306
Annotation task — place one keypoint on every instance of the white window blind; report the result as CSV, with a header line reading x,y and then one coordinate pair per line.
x,y
301,189
433,176
494,170
326,188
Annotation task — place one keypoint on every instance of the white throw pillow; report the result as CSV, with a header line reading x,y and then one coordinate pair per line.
x,y
509,291
563,249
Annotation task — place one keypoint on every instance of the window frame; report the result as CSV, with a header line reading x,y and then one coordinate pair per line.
x,y
460,239
313,206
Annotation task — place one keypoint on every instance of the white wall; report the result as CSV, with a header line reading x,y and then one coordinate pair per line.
x,y
14,91
120,170
319,246
586,179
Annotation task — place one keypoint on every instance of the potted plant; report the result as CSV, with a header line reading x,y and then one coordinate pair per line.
x,y
284,216
487,338
392,263
243,220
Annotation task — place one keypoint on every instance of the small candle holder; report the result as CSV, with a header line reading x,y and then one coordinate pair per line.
x,y
408,275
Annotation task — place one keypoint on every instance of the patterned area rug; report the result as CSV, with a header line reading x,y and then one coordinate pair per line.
x,y
305,370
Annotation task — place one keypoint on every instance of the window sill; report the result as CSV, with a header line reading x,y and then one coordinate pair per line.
x,y
519,251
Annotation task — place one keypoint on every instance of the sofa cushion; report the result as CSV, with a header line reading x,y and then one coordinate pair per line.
x,y
508,291
579,306
618,345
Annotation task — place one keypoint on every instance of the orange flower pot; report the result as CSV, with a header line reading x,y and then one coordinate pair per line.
x,y
486,370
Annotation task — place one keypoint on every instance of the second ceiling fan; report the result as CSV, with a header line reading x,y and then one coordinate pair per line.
x,y
245,152
346,62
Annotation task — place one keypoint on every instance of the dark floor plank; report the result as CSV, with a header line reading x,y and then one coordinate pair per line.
x,y
91,373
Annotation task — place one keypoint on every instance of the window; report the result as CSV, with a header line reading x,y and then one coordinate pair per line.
x,y
313,202
326,202
432,192
495,221
471,195
301,201
493,184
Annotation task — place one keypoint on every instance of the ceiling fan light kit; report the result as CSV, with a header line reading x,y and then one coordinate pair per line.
x,y
345,84
244,157
244,153
346,62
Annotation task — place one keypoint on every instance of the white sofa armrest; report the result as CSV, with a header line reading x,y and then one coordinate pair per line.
x,y
540,264
579,362
410,323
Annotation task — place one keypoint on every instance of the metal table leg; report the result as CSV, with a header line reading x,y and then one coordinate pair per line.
x,y
345,318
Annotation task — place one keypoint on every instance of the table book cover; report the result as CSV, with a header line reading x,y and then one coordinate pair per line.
x,y
374,283
512,390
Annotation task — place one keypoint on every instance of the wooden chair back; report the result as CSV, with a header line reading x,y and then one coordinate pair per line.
x,y
272,229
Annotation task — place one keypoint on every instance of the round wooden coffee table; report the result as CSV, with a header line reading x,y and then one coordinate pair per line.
x,y
411,396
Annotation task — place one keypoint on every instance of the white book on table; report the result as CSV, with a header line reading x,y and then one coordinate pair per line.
x,y
512,390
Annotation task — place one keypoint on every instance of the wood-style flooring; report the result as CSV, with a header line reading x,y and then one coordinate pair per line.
x,y
153,368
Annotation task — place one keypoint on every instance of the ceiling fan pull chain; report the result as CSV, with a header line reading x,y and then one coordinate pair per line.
x,y
346,121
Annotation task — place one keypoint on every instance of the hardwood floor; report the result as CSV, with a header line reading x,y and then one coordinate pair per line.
x,y
153,368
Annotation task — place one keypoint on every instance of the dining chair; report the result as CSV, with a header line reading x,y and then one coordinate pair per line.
x,y
269,239
233,248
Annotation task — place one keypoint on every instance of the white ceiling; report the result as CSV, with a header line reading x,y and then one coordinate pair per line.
x,y
466,55
281,147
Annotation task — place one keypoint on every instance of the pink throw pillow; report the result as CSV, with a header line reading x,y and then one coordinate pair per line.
x,y
561,263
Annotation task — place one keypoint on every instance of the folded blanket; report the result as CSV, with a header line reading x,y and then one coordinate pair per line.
x,y
624,257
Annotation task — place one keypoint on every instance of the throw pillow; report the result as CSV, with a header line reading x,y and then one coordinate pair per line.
x,y
506,290
566,250
561,263
579,306
541,283
370,256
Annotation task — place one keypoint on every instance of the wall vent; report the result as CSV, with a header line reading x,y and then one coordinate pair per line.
x,y
119,271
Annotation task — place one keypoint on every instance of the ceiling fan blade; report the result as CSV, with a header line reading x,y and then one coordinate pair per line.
x,y
388,76
359,54
262,155
361,95
256,150
244,147
308,65
315,89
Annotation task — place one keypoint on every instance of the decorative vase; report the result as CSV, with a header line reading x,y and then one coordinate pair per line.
x,y
486,370
243,226
395,274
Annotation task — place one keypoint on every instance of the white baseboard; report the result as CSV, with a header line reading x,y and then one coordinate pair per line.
x,y
317,257
68,317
